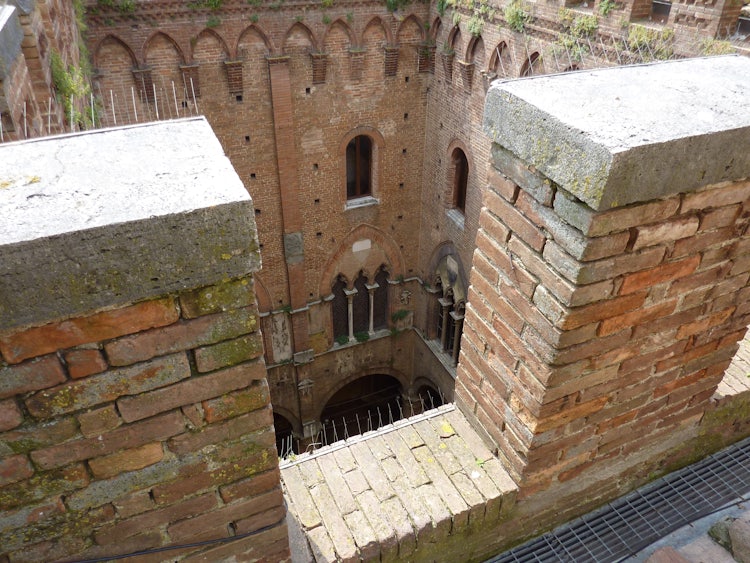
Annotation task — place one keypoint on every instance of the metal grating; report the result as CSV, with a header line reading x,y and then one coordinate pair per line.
x,y
638,519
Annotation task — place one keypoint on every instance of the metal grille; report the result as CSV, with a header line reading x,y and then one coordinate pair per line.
x,y
636,520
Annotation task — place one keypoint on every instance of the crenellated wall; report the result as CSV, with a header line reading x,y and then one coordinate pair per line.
x,y
135,408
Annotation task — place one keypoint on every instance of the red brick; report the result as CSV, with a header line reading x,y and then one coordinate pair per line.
x,y
220,432
666,231
184,530
516,221
631,216
493,228
10,415
154,518
502,185
126,460
229,352
108,386
704,324
601,310
84,362
192,390
702,241
229,405
15,468
250,487
30,376
720,217
270,546
736,192
666,272
639,316
578,411
131,436
33,436
137,502
233,294
183,335
82,330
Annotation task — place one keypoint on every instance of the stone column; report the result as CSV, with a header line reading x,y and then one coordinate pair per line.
x,y
610,281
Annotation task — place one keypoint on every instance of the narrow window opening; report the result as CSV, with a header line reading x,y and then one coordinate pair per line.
x,y
359,167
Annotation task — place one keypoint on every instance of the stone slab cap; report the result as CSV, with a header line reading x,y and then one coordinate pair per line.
x,y
109,217
626,134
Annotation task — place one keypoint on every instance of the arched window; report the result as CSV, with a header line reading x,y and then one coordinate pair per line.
x,y
359,167
460,179
380,301
361,305
340,310
532,66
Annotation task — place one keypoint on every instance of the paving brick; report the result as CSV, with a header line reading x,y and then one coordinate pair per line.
x,y
192,390
336,482
182,335
41,373
336,527
304,507
82,330
364,536
108,386
382,528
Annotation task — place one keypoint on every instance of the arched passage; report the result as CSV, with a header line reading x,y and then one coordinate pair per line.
x,y
286,443
361,405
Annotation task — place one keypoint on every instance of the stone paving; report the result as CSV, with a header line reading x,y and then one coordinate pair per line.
x,y
386,494
737,377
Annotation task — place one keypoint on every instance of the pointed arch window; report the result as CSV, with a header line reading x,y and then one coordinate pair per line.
x,y
359,167
380,301
340,310
361,305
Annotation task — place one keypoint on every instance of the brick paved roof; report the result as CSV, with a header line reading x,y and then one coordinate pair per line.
x,y
385,493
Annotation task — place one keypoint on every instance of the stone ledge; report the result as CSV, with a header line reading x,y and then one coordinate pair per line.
x,y
622,135
101,219
398,493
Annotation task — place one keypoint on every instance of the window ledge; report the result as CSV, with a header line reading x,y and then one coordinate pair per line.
x,y
361,202
457,217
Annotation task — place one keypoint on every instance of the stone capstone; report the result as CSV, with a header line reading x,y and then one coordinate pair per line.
x,y
629,134
104,218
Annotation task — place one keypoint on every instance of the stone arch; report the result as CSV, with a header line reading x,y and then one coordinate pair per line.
x,y
532,65
249,36
475,52
153,42
290,416
210,43
440,265
265,305
399,376
296,36
337,41
375,37
501,62
117,43
377,23
349,261
454,40
435,28
411,30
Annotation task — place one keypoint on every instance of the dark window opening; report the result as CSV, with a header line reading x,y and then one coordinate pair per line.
x,y
359,167
460,179
340,310
361,305
380,303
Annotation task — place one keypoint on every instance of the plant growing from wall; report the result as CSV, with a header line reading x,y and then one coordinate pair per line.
x,y
517,15
342,339
362,336
399,315
475,25
606,6
393,5
651,43
71,82
213,21
710,46
456,18
441,5
203,4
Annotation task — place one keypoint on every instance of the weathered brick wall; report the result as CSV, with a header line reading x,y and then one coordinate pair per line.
x,y
135,413
597,332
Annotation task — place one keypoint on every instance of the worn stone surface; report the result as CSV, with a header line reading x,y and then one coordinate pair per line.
x,y
397,493
64,236
618,136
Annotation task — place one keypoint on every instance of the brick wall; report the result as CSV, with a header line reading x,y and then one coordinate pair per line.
x,y
596,333
135,418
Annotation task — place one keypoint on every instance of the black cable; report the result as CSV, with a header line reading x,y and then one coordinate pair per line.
x,y
183,546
